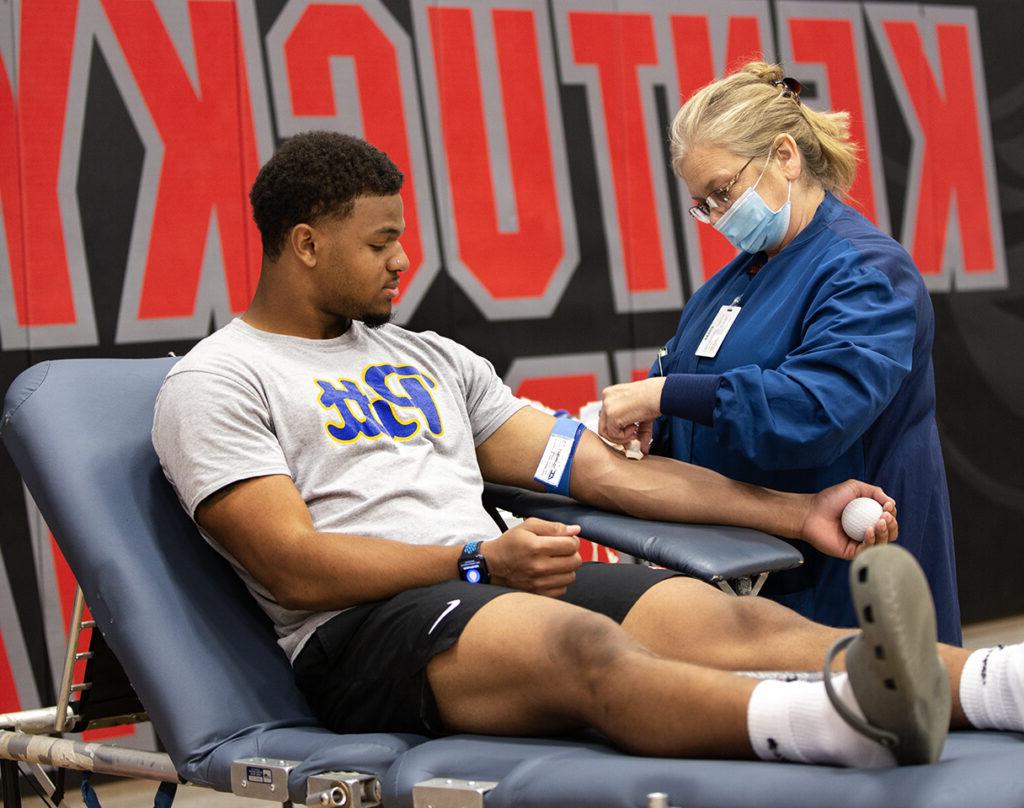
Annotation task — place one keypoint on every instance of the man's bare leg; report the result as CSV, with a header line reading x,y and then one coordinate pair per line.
x,y
684,618
536,666
688,620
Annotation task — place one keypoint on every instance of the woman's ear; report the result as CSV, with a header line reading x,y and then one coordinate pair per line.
x,y
789,158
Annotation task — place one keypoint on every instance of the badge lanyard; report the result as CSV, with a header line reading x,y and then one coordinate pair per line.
x,y
719,328
662,353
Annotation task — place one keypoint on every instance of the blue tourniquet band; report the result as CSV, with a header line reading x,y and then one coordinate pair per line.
x,y
568,428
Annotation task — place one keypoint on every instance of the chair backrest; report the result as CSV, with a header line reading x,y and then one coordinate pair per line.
x,y
198,651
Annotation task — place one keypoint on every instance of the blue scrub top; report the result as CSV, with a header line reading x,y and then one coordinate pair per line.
x,y
825,375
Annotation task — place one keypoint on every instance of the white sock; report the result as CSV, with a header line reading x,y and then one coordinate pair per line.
x,y
795,721
992,688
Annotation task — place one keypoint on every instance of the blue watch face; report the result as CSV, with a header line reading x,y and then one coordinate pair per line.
x,y
473,570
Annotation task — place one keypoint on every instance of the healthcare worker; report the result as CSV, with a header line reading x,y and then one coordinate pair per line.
x,y
806,360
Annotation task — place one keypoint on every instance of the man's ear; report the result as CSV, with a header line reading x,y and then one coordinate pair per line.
x,y
789,157
302,240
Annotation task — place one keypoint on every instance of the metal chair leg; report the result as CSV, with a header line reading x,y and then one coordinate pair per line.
x,y
64,695
9,774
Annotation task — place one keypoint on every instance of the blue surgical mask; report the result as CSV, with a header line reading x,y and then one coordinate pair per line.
x,y
752,226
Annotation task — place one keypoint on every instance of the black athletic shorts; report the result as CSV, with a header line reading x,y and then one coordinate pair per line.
x,y
364,670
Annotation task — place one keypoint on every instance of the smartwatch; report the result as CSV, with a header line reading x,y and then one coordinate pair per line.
x,y
472,565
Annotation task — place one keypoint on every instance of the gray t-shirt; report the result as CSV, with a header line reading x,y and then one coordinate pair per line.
x,y
377,428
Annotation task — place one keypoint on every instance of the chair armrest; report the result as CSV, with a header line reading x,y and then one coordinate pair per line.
x,y
712,553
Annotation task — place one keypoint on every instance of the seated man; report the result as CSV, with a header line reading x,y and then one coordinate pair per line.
x,y
338,462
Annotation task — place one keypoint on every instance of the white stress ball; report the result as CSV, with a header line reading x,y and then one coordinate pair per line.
x,y
858,515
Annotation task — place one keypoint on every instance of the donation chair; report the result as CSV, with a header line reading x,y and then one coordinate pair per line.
x,y
200,655
220,694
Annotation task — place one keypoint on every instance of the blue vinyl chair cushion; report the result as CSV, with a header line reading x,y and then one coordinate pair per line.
x,y
975,768
201,655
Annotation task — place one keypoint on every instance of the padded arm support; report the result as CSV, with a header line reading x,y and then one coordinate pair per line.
x,y
708,552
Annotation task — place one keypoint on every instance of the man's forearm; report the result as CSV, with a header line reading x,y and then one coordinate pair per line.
x,y
265,525
660,488
333,571
652,488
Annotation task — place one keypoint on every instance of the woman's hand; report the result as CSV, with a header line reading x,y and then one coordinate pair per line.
x,y
823,528
628,410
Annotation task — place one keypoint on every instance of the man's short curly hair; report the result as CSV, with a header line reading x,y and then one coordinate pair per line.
x,y
313,175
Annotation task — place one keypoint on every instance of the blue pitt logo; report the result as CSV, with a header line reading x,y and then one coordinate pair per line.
x,y
382,410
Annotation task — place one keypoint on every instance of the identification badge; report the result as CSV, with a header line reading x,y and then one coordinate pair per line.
x,y
552,471
715,335
553,462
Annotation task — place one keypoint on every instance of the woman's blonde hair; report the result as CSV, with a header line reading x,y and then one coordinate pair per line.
x,y
745,113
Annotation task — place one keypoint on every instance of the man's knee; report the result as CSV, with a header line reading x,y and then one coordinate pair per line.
x,y
530,664
698,607
591,648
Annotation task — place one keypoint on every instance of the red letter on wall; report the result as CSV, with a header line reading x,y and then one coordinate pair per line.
x,y
37,290
327,31
502,174
350,67
695,65
935,65
836,45
618,45
544,379
9,701
209,154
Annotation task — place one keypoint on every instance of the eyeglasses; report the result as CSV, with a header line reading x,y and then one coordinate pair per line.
x,y
718,199
790,88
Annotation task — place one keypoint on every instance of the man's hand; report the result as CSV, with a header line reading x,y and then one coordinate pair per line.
x,y
537,556
823,530
627,411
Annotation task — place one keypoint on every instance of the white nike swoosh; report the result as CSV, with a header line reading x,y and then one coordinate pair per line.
x,y
452,605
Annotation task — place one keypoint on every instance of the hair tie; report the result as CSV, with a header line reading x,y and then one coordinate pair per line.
x,y
790,88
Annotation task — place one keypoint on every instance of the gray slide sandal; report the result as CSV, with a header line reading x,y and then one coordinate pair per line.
x,y
896,673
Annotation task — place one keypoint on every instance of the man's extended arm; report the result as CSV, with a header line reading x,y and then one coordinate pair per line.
x,y
264,523
660,488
